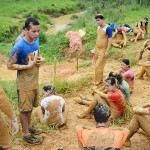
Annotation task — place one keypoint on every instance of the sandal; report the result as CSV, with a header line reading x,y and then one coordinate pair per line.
x,y
33,140
35,131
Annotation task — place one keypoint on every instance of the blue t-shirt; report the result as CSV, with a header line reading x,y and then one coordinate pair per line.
x,y
109,32
22,49
107,29
27,79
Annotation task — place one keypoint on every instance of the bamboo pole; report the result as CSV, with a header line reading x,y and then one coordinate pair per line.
x,y
55,67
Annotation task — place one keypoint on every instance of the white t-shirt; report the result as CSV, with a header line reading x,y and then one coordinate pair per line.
x,y
51,100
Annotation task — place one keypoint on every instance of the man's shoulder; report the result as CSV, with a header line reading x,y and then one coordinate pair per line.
x,y
20,44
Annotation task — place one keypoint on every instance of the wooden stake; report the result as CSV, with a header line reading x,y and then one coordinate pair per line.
x,y
55,67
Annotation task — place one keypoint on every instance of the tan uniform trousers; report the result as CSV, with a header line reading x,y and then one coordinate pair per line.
x,y
100,49
99,67
145,70
140,121
5,141
5,107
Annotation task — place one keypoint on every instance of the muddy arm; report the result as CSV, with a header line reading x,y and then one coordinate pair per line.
x,y
11,64
146,64
139,27
101,93
125,38
114,35
4,104
146,29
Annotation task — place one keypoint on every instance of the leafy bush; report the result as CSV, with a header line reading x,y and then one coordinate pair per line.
x,y
10,90
43,38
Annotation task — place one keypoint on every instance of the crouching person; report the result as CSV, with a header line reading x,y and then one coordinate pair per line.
x,y
102,137
53,110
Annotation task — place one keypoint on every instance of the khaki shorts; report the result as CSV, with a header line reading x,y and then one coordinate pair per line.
x,y
27,100
5,141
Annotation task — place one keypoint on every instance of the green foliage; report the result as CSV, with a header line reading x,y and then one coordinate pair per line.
x,y
125,119
71,87
10,90
43,38
13,14
85,64
5,49
54,45
89,46
73,17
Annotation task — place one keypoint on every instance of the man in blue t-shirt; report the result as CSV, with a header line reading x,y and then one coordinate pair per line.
x,y
26,60
103,43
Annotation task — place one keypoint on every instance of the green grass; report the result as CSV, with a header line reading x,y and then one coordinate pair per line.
x,y
54,45
125,119
14,12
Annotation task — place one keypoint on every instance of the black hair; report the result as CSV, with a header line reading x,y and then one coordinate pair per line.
x,y
99,16
146,18
49,88
29,22
111,74
111,79
117,76
126,61
23,27
101,113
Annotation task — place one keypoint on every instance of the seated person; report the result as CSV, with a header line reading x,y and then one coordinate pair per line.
x,y
5,141
114,99
141,119
55,111
102,137
121,84
119,39
127,73
146,46
145,69
139,30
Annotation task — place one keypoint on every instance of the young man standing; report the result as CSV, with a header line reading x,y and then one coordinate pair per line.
x,y
102,137
103,43
26,60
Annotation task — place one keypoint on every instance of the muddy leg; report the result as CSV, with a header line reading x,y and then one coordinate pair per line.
x,y
138,37
65,114
39,113
116,45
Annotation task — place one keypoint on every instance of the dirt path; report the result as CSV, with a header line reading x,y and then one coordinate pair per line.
x,y
66,138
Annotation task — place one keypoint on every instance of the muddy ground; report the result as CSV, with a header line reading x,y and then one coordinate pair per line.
x,y
66,138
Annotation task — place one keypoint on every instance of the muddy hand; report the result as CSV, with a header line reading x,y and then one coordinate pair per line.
x,y
106,54
39,61
31,62
14,126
